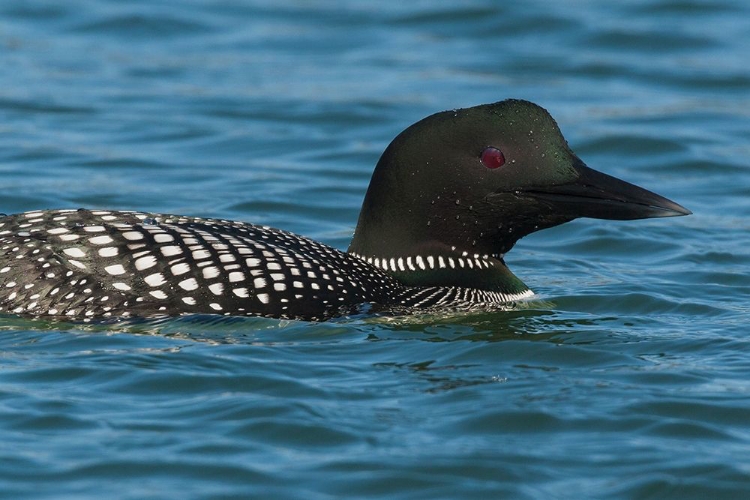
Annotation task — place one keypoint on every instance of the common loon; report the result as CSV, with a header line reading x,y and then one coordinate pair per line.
x,y
448,198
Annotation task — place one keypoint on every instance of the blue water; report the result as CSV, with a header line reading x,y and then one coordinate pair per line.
x,y
627,377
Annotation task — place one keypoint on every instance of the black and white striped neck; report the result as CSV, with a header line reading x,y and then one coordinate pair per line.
x,y
486,276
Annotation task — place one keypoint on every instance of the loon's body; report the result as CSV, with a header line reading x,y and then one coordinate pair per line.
x,y
448,198
100,264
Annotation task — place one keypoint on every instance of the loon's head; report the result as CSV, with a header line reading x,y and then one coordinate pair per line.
x,y
466,184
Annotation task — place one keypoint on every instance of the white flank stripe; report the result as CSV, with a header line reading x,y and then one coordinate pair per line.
x,y
181,268
100,240
170,250
163,238
132,235
201,254
145,262
188,284
236,276
156,279
74,252
108,252
210,272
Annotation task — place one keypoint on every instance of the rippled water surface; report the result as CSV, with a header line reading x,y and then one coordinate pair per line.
x,y
627,377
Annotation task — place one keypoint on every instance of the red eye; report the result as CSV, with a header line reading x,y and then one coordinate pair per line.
x,y
493,158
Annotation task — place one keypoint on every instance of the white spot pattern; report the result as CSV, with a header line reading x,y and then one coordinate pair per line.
x,y
146,262
115,269
108,252
101,240
132,263
74,252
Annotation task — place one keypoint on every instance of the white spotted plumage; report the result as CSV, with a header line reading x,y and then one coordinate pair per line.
x,y
85,265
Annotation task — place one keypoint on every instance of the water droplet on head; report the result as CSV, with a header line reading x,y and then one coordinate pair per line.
x,y
458,202
150,221
458,217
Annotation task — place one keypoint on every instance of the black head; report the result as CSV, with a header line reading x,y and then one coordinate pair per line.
x,y
474,181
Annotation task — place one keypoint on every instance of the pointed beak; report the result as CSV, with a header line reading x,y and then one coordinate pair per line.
x,y
601,196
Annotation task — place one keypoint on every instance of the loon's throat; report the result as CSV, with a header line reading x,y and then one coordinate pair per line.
x,y
450,269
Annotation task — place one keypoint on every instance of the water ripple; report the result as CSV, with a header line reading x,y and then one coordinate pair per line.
x,y
626,376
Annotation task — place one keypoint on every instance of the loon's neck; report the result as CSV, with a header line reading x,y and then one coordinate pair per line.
x,y
439,266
